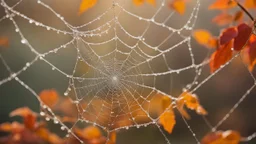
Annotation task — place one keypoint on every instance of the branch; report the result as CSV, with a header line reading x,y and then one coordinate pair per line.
x,y
243,9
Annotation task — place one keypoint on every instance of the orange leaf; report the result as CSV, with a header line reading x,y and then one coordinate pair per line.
x,y
228,34
222,137
112,138
238,16
138,2
179,6
251,66
42,133
46,135
29,117
152,2
222,4
250,4
23,112
212,138
223,19
54,139
191,101
49,97
166,102
252,51
9,127
167,120
213,42
254,27
244,32
86,4
4,41
6,127
90,132
205,38
221,56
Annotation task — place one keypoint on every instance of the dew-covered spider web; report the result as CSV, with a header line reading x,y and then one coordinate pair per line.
x,y
115,60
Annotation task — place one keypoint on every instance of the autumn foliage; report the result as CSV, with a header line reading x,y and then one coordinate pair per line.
x,y
238,37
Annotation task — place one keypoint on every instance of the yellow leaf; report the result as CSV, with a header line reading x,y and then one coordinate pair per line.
x,y
86,4
179,6
167,120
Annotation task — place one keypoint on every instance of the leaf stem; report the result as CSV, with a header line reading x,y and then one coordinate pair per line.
x,y
244,9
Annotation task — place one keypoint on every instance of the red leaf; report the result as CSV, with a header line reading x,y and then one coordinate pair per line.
x,y
244,32
228,34
221,56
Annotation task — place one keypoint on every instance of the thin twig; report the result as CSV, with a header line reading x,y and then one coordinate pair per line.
x,y
244,9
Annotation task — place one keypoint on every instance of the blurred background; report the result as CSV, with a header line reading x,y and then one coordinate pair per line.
x,y
218,95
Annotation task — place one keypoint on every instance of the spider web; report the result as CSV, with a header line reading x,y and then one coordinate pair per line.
x,y
131,56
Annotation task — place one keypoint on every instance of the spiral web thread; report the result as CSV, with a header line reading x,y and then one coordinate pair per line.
x,y
121,82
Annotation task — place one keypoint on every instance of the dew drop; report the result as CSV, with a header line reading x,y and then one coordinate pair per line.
x,y
42,113
23,41
56,121
27,64
76,102
47,119
66,94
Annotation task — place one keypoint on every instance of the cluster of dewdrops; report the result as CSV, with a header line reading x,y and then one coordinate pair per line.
x,y
104,30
